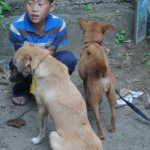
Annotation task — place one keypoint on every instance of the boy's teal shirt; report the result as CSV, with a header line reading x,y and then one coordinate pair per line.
x,y
55,32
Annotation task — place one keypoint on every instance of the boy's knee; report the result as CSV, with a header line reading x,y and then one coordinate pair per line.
x,y
70,57
67,58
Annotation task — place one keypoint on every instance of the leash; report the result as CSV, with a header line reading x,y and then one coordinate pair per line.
x,y
133,107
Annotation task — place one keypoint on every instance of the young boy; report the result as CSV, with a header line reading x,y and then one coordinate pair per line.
x,y
38,26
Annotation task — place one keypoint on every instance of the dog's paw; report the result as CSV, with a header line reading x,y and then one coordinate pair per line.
x,y
101,134
112,128
35,140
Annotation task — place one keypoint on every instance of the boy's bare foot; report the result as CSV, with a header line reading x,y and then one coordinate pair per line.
x,y
19,100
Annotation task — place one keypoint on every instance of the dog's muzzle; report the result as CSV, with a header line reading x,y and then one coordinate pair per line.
x,y
15,76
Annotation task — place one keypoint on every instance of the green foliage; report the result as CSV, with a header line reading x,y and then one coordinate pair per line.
x,y
120,37
87,6
4,26
148,63
147,54
4,6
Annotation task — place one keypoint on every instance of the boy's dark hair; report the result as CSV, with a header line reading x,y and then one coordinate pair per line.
x,y
50,1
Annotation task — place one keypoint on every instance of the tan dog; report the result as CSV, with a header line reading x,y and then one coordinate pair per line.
x,y
95,71
57,96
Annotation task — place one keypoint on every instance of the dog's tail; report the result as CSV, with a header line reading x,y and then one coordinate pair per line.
x,y
133,107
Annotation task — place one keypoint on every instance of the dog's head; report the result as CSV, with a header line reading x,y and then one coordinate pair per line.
x,y
27,59
93,31
22,64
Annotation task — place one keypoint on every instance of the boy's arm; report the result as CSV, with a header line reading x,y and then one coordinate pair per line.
x,y
15,37
61,36
16,47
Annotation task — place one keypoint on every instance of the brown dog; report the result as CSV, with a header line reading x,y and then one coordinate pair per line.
x,y
95,71
57,96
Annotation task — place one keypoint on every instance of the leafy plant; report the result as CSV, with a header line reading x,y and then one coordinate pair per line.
x,y
3,25
148,63
147,54
4,6
120,37
87,6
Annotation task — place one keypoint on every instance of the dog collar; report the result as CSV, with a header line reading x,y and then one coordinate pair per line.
x,y
39,63
98,42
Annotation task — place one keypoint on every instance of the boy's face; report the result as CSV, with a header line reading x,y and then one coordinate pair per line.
x,y
37,10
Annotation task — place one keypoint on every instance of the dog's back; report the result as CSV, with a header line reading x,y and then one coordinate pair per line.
x,y
93,61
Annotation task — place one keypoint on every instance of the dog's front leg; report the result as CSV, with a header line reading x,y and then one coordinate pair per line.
x,y
41,135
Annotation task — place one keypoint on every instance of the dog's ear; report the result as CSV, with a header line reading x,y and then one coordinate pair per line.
x,y
107,27
82,23
28,59
24,63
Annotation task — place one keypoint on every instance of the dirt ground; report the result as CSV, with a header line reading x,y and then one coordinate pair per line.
x,y
131,72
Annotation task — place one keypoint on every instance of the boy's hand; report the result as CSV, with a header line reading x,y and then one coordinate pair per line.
x,y
52,49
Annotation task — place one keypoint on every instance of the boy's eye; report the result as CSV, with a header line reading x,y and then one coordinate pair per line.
x,y
30,3
41,4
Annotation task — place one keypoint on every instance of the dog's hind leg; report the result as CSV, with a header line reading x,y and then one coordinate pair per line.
x,y
58,142
55,141
87,95
41,135
111,95
95,100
